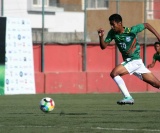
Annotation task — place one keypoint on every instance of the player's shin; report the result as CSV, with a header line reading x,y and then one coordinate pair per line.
x,y
121,84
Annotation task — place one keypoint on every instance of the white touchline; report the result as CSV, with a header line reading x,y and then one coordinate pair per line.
x,y
126,129
97,128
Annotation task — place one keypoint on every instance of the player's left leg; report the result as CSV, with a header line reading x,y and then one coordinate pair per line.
x,y
116,74
151,79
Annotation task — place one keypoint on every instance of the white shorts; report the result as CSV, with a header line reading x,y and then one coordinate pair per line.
x,y
135,67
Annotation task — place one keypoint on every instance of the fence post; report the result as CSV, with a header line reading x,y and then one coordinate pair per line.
x,y
84,67
145,37
2,7
42,43
116,49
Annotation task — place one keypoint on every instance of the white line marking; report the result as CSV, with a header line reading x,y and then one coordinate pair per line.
x,y
24,126
97,128
126,129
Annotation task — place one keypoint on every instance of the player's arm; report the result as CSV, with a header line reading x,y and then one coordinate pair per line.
x,y
152,64
151,29
103,44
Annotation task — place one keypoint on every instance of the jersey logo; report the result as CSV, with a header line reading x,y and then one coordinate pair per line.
x,y
128,39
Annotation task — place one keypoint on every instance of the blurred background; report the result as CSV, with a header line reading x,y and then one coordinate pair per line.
x,y
66,45
67,21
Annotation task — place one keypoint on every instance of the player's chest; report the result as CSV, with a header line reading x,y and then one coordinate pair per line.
x,y
157,57
124,38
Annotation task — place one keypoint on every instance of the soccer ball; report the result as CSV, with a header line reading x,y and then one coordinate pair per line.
x,y
47,104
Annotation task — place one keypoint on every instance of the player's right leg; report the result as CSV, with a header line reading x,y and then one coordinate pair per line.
x,y
146,75
151,79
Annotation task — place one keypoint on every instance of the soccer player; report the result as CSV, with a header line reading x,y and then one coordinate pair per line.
x,y
126,40
156,56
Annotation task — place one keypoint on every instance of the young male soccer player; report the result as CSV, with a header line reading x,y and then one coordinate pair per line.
x,y
156,56
126,40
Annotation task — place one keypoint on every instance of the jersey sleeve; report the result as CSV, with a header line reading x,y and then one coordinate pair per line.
x,y
137,28
154,57
109,37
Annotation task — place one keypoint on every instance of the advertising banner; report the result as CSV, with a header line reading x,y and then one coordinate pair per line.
x,y
18,56
2,54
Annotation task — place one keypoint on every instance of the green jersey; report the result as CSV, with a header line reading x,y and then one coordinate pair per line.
x,y
156,57
127,41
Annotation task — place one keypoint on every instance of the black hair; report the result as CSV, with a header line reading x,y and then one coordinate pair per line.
x,y
115,17
157,43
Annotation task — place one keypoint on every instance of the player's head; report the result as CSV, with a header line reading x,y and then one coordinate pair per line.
x,y
157,46
115,17
116,22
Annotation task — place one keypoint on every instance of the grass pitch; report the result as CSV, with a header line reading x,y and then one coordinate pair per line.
x,y
80,113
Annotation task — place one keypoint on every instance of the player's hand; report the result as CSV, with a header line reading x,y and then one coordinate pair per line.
x,y
100,32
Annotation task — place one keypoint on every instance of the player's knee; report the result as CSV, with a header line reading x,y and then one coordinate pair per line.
x,y
156,84
113,74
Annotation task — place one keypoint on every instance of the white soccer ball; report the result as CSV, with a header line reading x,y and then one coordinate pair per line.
x,y
47,104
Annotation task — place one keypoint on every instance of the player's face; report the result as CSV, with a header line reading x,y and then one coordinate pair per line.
x,y
116,26
157,47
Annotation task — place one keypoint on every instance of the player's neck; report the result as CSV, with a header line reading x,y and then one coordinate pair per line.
x,y
121,30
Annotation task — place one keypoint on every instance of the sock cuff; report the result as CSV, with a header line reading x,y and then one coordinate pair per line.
x,y
117,78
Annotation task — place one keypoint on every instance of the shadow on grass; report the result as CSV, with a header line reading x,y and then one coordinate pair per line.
x,y
143,110
133,110
63,113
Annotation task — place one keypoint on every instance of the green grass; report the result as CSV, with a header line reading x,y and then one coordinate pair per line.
x,y
2,74
80,113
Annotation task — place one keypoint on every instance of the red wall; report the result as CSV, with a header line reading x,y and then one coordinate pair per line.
x,y
156,9
63,70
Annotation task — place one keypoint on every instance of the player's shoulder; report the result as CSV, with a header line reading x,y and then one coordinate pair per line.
x,y
137,25
137,28
141,25
156,54
127,29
